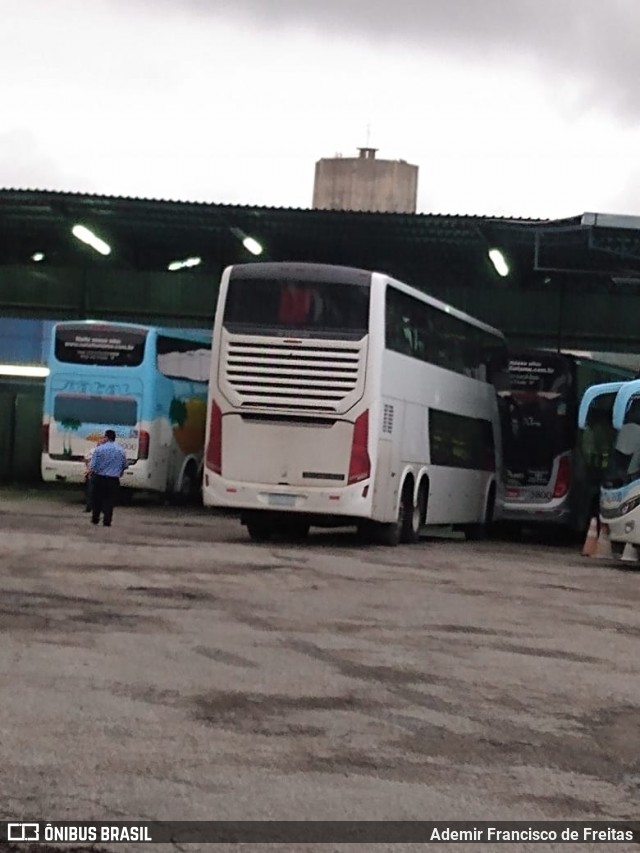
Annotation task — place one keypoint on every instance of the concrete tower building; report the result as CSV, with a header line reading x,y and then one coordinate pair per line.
x,y
365,183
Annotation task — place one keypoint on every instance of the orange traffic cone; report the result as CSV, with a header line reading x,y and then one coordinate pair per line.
x,y
591,542
603,548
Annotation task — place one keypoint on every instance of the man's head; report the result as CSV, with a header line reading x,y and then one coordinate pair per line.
x,y
110,435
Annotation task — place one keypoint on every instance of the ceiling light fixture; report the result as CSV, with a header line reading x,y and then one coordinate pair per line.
x,y
81,232
499,262
250,243
184,264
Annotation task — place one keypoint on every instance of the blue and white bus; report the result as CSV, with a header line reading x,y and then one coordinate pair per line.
x,y
148,384
620,489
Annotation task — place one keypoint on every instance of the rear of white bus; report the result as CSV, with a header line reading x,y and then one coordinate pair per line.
x,y
289,415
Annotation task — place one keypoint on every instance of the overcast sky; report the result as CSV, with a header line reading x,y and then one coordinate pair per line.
x,y
509,107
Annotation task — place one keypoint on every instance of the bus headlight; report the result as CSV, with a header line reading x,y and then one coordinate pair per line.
x,y
629,506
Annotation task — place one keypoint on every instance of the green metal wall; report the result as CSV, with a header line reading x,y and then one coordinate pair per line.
x,y
71,293
563,314
20,433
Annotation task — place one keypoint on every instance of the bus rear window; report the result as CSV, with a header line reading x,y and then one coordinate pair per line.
x,y
84,409
305,308
540,373
107,346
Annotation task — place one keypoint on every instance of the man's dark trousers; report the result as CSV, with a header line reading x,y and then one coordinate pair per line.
x,y
105,492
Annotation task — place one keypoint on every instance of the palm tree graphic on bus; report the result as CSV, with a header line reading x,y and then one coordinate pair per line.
x,y
69,425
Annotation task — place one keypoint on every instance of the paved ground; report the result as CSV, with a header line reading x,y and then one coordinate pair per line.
x,y
167,668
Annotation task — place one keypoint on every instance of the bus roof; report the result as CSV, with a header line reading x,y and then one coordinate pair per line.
x,y
304,271
442,306
185,334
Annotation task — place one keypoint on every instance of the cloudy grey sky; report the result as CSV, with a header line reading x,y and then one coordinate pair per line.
x,y
509,107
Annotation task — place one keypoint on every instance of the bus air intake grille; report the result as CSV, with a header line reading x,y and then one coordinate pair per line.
x,y
387,418
305,377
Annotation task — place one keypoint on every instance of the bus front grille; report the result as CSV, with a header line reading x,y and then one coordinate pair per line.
x,y
305,376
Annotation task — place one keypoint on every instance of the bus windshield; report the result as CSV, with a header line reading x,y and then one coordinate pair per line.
x,y
99,345
624,462
536,417
272,306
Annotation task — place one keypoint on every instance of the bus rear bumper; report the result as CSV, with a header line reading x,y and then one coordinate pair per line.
x,y
73,473
553,512
347,501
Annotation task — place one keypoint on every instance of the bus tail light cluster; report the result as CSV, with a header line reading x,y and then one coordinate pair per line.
x,y
45,438
143,445
359,463
563,477
214,444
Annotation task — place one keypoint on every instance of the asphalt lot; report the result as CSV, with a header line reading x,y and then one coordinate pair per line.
x,y
168,668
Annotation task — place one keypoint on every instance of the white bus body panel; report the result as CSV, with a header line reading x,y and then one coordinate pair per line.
x,y
410,388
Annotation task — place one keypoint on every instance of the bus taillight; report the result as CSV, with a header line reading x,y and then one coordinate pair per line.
x,y
143,445
45,438
214,445
563,477
359,463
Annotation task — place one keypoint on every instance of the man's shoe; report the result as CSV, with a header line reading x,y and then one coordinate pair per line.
x,y
106,524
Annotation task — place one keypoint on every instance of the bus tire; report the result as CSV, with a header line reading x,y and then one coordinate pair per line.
x,y
387,534
400,530
414,515
259,529
189,484
295,530
477,532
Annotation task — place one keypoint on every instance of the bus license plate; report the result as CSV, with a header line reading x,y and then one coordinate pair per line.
x,y
282,500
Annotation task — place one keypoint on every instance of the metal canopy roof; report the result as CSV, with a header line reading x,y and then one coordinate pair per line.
x,y
553,261
146,234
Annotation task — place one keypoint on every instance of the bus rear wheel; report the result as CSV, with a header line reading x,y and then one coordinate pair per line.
x,y
414,517
406,528
259,527
294,530
480,531
189,491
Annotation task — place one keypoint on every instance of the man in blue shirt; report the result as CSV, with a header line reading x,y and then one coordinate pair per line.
x,y
107,465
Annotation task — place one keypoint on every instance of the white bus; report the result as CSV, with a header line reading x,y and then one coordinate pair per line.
x,y
620,489
339,396
147,384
